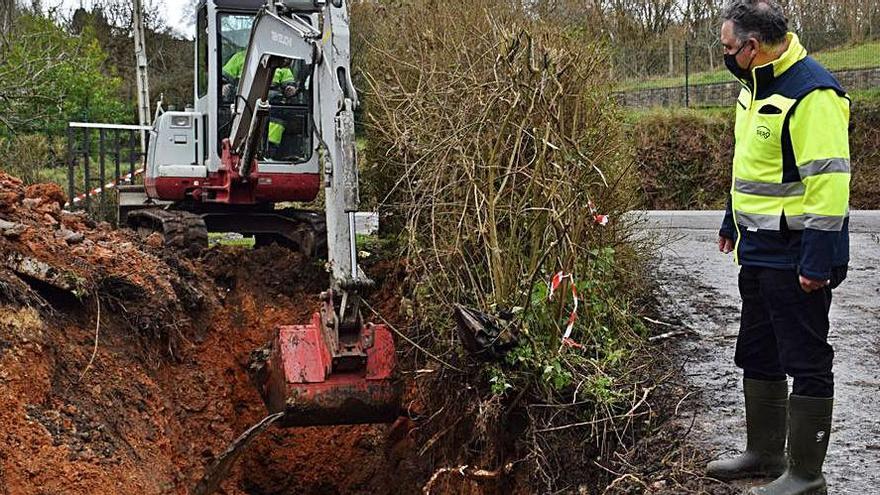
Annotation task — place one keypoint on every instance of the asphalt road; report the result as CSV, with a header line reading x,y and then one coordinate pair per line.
x,y
698,287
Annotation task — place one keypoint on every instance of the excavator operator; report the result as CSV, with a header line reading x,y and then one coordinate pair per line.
x,y
284,87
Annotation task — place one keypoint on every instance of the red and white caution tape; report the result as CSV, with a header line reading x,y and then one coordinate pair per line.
x,y
557,279
109,185
598,218
554,284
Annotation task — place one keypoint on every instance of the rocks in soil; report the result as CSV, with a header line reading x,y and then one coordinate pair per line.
x,y
11,230
86,438
49,193
69,236
65,250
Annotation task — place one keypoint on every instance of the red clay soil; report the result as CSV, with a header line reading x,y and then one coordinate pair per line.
x,y
167,389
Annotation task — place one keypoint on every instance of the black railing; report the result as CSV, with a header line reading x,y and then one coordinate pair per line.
x,y
99,158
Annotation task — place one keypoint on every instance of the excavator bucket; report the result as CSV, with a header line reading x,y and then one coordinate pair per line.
x,y
304,380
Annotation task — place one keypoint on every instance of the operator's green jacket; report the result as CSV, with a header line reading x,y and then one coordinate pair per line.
x,y
789,203
233,69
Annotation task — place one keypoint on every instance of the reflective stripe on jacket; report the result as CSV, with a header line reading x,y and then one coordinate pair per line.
x,y
789,202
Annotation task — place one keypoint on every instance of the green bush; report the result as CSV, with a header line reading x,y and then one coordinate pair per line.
x,y
34,158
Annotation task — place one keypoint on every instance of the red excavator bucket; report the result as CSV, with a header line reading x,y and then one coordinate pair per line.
x,y
305,383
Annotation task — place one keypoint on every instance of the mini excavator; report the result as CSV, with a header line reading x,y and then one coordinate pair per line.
x,y
273,123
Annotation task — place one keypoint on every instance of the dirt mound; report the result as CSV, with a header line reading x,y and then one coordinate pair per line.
x,y
49,193
72,256
123,367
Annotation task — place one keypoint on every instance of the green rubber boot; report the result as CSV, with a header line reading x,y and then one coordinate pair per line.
x,y
810,419
766,414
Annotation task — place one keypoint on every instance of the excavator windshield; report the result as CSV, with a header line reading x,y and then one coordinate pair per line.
x,y
288,134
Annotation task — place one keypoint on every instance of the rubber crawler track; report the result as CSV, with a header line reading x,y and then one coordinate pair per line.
x,y
180,229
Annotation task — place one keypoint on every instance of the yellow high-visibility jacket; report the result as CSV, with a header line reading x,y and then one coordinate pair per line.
x,y
789,198
233,68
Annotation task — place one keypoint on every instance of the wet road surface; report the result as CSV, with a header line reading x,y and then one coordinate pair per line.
x,y
698,288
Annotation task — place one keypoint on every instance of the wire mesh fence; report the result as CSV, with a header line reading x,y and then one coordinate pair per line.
x,y
685,69
682,58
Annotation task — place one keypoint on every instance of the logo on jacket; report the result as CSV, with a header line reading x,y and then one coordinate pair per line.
x,y
763,132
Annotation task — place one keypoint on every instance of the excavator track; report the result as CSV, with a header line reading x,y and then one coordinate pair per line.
x,y
179,229
301,230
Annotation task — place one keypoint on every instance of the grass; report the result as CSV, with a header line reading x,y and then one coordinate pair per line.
x,y
230,239
861,56
708,77
635,114
866,95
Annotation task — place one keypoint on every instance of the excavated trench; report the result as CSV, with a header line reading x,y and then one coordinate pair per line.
x,y
123,369
158,424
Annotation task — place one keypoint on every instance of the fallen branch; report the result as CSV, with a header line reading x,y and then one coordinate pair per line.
x,y
658,322
667,335
219,471
621,479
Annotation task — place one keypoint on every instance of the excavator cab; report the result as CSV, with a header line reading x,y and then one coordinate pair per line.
x,y
273,123
288,137
223,34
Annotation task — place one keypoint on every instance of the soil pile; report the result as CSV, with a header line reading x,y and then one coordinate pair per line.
x,y
123,368
67,255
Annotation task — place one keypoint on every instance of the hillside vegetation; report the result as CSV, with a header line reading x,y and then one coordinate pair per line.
x,y
684,155
859,56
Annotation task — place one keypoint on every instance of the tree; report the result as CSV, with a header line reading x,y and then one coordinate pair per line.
x,y
170,57
48,76
8,10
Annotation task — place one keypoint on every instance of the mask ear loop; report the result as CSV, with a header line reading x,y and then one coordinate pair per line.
x,y
751,60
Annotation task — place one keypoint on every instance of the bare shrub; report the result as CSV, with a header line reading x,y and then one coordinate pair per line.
x,y
32,157
494,140
498,147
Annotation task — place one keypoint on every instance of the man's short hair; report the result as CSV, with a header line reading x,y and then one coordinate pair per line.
x,y
759,19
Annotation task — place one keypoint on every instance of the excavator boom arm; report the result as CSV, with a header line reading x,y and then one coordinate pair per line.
x,y
274,40
335,369
282,32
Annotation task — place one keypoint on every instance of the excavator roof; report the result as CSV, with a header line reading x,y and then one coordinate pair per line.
x,y
237,4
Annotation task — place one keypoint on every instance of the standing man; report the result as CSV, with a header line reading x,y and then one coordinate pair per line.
x,y
786,223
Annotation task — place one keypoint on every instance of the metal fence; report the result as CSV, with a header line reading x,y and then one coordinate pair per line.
x,y
101,157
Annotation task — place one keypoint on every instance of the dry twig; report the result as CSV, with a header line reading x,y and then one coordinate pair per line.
x,y
97,334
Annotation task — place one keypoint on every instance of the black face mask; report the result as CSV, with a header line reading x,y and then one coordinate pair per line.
x,y
734,68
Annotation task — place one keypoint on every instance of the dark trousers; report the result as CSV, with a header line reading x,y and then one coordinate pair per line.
x,y
784,330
